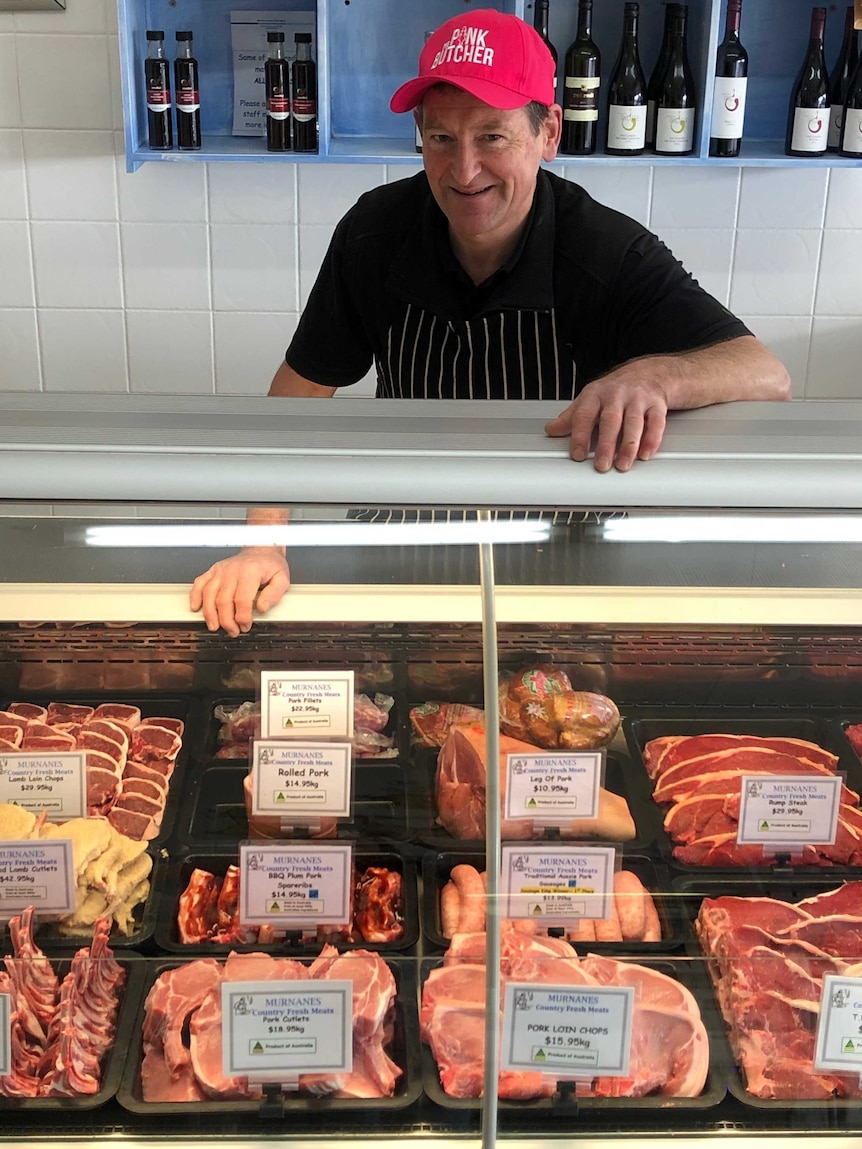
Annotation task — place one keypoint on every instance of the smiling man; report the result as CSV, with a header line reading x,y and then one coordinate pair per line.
x,y
487,277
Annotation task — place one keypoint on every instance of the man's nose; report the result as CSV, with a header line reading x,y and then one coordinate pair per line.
x,y
466,163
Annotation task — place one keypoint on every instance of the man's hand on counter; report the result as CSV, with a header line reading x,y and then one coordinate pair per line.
x,y
228,592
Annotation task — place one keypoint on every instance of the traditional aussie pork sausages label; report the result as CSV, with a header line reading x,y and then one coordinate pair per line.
x,y
306,705
5,1034
553,788
838,1046
37,873
295,886
557,883
566,1030
273,1030
788,810
302,780
56,783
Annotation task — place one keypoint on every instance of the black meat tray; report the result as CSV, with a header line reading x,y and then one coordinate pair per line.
x,y
404,1051
820,730
397,727
214,808
173,878
620,777
150,706
115,1058
437,867
789,888
565,1105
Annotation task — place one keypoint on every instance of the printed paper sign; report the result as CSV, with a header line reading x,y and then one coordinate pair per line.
x,y
558,884
567,1031
302,780
553,788
838,1046
37,873
250,51
5,1034
306,705
277,1029
295,886
56,783
788,809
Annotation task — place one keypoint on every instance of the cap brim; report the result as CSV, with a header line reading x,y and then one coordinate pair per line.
x,y
411,93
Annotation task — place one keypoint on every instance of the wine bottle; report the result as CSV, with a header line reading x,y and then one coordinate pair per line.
x,y
277,79
808,121
157,75
676,105
304,95
851,132
627,93
840,78
657,73
187,94
540,23
581,95
731,81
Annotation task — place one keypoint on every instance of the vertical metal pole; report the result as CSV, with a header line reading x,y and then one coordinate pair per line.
x,y
493,855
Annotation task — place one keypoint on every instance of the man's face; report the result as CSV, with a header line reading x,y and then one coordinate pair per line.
x,y
482,163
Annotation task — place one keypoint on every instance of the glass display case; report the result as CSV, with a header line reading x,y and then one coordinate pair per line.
x,y
665,868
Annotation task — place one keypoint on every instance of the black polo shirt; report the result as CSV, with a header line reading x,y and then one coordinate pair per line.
x,y
586,290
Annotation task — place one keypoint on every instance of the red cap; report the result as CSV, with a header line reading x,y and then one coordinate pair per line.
x,y
495,57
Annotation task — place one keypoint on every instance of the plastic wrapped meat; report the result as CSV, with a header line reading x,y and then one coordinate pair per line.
x,y
539,705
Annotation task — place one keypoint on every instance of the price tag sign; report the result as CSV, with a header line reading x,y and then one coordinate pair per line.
x,y
41,874
306,705
277,1029
567,1031
553,788
5,1034
56,783
788,809
558,884
302,779
295,886
838,1047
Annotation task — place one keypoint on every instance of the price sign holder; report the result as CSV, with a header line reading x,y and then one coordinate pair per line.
x,y
554,789
782,813
55,783
5,1034
557,884
302,782
838,1044
566,1031
295,886
40,873
306,704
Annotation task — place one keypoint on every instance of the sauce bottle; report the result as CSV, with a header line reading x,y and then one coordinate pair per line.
x,y
157,75
304,95
187,95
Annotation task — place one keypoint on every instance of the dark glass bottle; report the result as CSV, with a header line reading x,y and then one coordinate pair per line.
x,y
157,74
581,94
654,85
540,23
187,95
676,106
851,132
808,120
730,84
304,96
627,93
277,75
840,79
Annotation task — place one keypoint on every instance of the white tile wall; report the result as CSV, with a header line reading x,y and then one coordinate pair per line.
x,y
188,277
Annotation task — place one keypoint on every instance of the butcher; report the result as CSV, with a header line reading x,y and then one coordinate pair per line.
x,y
485,276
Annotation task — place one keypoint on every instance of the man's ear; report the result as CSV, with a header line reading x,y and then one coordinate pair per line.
x,y
552,130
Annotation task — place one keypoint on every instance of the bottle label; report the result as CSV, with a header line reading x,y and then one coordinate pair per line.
x,y
852,141
304,109
728,107
158,99
581,98
836,123
278,107
810,130
626,127
188,100
674,129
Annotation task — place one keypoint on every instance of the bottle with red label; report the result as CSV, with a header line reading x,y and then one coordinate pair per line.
x,y
157,75
304,96
187,95
277,71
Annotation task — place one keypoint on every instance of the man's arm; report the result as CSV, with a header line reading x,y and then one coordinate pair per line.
x,y
624,412
227,592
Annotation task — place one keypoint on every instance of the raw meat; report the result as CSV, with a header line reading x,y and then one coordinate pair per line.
x,y
432,721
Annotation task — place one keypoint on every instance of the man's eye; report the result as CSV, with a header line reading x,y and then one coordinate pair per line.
x,y
493,137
